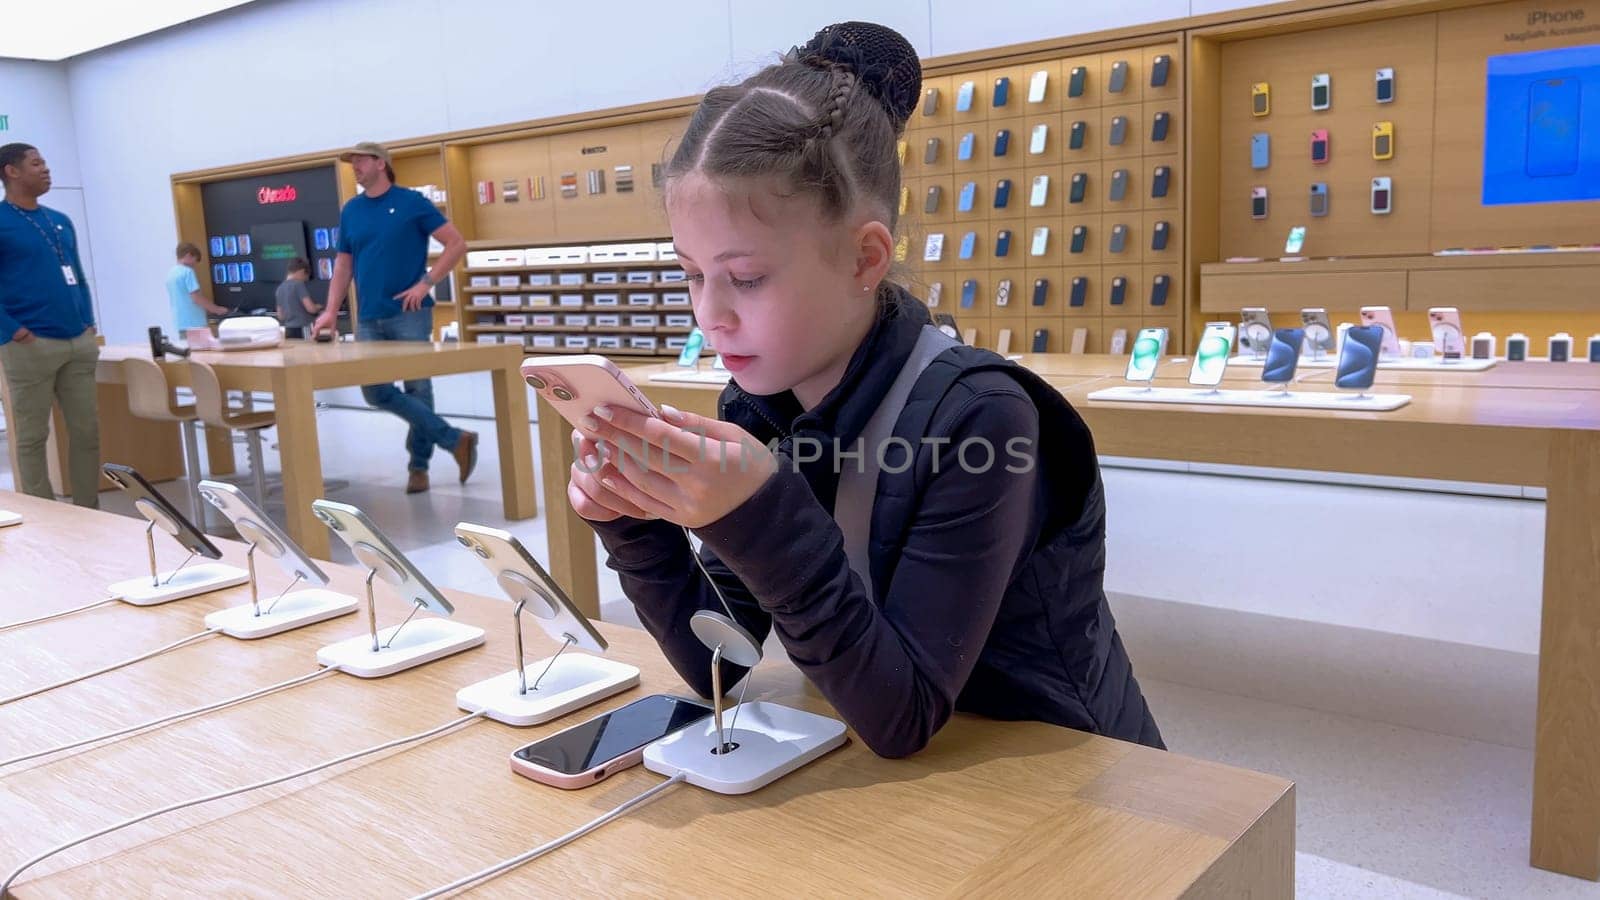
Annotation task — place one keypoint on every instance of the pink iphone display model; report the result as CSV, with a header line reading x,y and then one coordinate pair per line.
x,y
589,752
575,385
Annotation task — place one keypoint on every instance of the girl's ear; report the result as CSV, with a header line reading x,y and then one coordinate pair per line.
x,y
874,253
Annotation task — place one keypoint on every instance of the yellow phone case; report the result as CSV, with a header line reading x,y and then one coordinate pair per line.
x,y
1383,140
1260,99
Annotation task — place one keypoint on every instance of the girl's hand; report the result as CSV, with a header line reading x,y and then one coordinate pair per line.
x,y
685,468
589,498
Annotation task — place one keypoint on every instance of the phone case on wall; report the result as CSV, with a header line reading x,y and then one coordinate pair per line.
x,y
1002,243
1319,147
1385,85
1258,202
1002,294
1159,126
1041,340
969,245
1159,70
1119,186
1119,290
1076,135
1319,199
1296,241
1037,86
969,193
1159,236
1077,81
1002,193
964,146
1383,140
905,199
1382,196
964,96
1260,150
930,102
1002,92
1358,358
1041,240
1160,182
1080,236
1119,77
1119,238
1002,142
900,148
1283,355
1041,191
930,152
1260,99
1080,185
902,248
1119,131
935,293
1321,91
969,293
1080,291
931,203
1037,139
933,249
1041,291
1158,290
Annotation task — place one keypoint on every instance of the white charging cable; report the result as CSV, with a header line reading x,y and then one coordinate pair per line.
x,y
222,795
164,720
58,615
556,844
111,668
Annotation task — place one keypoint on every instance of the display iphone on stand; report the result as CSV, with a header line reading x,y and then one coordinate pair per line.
x,y
1211,357
1383,318
1448,338
1148,348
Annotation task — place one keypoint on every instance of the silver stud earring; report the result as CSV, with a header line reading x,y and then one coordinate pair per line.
x,y
865,288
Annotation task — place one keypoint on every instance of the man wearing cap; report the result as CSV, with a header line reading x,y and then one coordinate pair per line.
x,y
383,243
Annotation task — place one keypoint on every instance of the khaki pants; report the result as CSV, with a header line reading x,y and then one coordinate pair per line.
x,y
39,374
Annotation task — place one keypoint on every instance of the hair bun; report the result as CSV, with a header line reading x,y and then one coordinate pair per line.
x,y
883,60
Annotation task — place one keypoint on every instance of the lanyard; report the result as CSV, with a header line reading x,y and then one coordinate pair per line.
x,y
61,254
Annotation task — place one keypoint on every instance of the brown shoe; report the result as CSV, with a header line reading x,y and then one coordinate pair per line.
x,y
466,454
416,482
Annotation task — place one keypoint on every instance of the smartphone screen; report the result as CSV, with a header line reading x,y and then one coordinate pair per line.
x,y
1146,354
617,733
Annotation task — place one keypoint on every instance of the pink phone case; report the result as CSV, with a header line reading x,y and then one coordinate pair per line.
x,y
575,385
582,779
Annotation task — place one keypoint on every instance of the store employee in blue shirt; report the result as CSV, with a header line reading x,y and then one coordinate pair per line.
x,y
383,242
47,341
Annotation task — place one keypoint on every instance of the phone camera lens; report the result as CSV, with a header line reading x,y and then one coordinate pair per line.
x,y
536,382
562,393
463,541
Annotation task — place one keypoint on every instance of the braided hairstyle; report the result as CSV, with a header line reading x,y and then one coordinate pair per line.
x,y
821,122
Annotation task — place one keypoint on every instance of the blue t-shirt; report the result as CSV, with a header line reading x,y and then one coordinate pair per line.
x,y
181,281
388,237
34,294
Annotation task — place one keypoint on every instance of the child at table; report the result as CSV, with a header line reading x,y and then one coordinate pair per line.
x,y
963,572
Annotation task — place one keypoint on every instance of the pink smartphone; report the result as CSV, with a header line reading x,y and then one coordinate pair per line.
x,y
591,751
575,385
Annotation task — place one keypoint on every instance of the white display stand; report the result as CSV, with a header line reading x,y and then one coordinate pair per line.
x,y
291,611
188,582
769,742
691,376
8,518
574,681
1265,398
420,641
1328,361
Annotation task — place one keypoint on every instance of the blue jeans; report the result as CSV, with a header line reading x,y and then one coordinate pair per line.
x,y
414,402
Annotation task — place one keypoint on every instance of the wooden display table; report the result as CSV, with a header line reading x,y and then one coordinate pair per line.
x,y
1491,427
294,372
1012,808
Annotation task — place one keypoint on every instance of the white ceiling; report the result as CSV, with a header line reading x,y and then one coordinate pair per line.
x,y
56,29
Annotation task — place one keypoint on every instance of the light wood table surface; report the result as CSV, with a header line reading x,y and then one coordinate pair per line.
x,y
293,373
1487,427
1008,808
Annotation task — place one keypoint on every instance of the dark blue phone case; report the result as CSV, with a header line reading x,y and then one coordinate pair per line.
x,y
1002,141
1002,92
1002,193
1002,244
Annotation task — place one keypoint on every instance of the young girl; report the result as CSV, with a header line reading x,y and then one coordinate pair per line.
x,y
923,523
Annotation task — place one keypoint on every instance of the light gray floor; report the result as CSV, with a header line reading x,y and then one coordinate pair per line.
x,y
1383,811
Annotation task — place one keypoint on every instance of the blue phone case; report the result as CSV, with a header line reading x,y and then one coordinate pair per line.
x,y
1283,354
969,192
230,245
219,274
964,149
1260,150
969,243
969,293
319,238
247,272
1158,129
1080,234
1119,290
1075,135
1002,193
1358,358
1080,291
1002,244
233,273
1158,290
1002,141
1002,91
1158,236
216,246
1080,183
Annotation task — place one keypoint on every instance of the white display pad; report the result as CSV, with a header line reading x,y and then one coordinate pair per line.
x,y
9,518
1265,398
689,376
189,582
1328,361
422,640
291,611
575,681
773,741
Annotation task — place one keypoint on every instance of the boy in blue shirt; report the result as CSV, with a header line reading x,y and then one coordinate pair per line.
x,y
47,341
189,306
383,242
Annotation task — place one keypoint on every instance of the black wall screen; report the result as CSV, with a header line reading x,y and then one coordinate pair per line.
x,y
255,225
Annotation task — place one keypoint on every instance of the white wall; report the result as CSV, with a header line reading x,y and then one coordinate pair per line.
x,y
288,76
